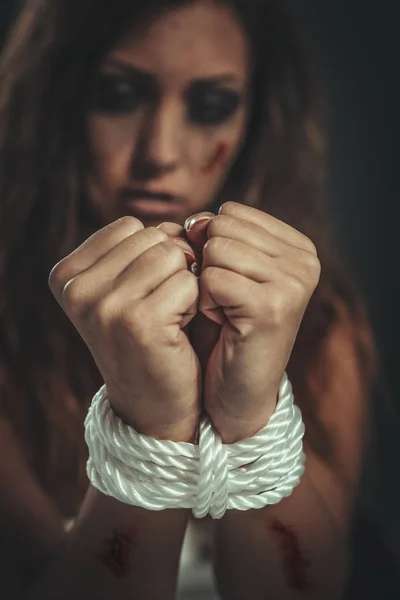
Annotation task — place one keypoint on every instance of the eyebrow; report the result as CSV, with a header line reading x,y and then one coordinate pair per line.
x,y
133,71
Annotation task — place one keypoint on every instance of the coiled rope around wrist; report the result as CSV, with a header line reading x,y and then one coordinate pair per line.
x,y
208,478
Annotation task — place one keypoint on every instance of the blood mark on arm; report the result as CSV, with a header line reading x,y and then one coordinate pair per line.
x,y
117,550
294,563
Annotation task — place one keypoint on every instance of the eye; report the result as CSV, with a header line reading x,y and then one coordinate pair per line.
x,y
213,107
113,95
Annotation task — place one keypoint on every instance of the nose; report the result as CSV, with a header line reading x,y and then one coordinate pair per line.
x,y
160,146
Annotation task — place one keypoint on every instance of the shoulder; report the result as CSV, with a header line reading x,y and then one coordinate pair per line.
x,y
341,380
339,383
341,393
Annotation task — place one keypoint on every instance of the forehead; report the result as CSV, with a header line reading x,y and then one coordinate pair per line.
x,y
199,40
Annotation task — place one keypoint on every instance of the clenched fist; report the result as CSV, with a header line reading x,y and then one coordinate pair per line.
x,y
129,293
257,277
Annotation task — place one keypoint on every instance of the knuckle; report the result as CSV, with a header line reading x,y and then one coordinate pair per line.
x,y
134,320
296,290
73,295
120,319
104,311
316,273
313,266
130,317
275,308
310,246
56,278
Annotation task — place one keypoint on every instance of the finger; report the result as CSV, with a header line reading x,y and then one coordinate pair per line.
x,y
196,229
225,226
95,247
276,227
150,270
173,230
240,258
118,258
225,295
137,281
250,262
100,278
178,235
174,302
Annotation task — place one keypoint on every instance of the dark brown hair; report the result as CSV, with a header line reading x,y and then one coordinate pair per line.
x,y
47,373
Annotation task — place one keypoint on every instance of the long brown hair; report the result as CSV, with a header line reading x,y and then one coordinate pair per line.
x,y
47,374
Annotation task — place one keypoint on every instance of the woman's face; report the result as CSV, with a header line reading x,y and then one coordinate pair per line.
x,y
168,115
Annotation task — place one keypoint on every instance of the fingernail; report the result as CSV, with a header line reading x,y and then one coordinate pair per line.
x,y
190,258
195,219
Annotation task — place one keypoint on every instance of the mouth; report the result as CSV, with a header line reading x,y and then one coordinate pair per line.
x,y
148,205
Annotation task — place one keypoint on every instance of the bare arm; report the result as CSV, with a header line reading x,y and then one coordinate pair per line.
x,y
292,550
116,550
113,550
132,318
299,547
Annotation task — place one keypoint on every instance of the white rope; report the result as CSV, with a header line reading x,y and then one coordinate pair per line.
x,y
208,478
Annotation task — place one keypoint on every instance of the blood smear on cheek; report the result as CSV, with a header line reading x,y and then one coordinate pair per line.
x,y
218,158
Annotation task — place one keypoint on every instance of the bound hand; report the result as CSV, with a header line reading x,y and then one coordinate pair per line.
x,y
128,292
257,277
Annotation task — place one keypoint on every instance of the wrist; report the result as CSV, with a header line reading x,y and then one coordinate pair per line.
x,y
185,430
157,475
234,428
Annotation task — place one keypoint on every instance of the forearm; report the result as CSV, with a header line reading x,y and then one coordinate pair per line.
x,y
116,551
294,549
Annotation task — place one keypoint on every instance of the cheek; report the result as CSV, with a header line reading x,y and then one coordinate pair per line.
x,y
111,147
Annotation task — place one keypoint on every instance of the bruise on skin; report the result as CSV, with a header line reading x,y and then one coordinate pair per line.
x,y
294,563
217,159
117,551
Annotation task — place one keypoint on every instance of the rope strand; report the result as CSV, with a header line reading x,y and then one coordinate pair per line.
x,y
208,478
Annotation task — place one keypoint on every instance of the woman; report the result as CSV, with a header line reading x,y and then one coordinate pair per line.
x,y
118,123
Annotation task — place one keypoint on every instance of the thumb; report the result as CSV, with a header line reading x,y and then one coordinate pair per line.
x,y
196,229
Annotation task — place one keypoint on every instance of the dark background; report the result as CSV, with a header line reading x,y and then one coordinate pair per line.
x,y
355,49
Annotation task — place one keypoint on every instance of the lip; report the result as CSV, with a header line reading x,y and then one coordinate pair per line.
x,y
152,205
